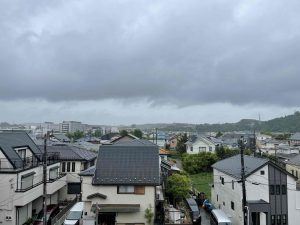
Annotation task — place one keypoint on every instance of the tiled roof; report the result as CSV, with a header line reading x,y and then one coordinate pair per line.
x,y
232,166
61,137
88,172
135,142
295,136
68,152
132,165
163,151
9,141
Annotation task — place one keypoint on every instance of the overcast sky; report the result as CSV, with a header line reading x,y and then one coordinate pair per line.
x,y
124,62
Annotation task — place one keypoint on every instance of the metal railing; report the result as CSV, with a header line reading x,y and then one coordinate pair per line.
x,y
28,162
61,216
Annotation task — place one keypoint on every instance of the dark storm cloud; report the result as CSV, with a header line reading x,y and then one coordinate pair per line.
x,y
183,52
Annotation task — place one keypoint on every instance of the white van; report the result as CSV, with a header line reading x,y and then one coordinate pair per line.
x,y
218,217
74,217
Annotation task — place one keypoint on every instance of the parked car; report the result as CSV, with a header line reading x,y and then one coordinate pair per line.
x,y
75,215
193,210
52,211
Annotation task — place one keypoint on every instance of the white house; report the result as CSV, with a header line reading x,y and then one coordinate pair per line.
x,y
122,185
21,175
270,190
73,160
199,144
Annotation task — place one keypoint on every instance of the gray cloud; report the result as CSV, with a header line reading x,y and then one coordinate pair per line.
x,y
183,52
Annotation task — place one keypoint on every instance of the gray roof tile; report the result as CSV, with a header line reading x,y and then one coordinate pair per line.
x,y
232,166
123,164
9,141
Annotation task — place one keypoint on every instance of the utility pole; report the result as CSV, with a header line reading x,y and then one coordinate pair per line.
x,y
45,180
156,135
244,203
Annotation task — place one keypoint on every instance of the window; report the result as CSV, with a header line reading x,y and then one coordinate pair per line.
x,y
68,166
53,173
272,190
262,172
22,153
283,189
210,149
232,205
222,180
73,166
277,189
27,181
284,220
74,188
191,148
272,220
138,190
125,189
232,184
224,203
278,219
202,149
217,198
63,169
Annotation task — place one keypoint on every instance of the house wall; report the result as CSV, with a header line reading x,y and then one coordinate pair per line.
x,y
114,198
22,204
224,194
293,202
295,170
199,144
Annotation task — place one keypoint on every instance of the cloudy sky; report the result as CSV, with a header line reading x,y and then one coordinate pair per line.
x,y
124,62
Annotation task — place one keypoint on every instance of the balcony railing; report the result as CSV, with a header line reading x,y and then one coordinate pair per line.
x,y
40,181
28,162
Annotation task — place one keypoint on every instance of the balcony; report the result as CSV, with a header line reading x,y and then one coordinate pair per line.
x,y
18,164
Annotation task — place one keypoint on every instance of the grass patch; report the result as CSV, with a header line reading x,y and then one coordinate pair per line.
x,y
202,182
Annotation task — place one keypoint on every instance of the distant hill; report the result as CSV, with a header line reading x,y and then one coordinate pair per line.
x,y
290,123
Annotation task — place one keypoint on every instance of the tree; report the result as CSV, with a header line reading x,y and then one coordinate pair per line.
x,y
123,133
98,133
219,134
200,162
181,148
178,186
78,134
220,152
138,133
149,214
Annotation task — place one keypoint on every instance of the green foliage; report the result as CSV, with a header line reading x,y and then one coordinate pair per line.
x,y
219,134
76,135
149,214
97,133
123,133
138,133
200,162
178,185
181,148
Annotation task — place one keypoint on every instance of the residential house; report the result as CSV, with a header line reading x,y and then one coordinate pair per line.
x,y
122,185
292,165
294,140
123,139
197,144
59,137
73,161
21,175
270,191
164,153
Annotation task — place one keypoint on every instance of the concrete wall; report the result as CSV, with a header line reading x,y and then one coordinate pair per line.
x,y
114,198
